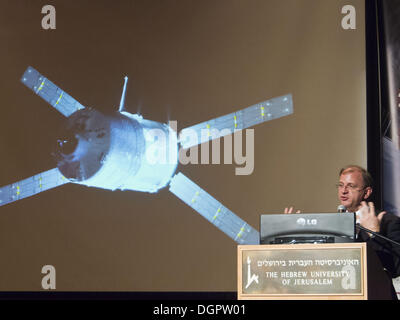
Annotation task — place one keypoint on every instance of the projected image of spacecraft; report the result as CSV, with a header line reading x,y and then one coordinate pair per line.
x,y
112,152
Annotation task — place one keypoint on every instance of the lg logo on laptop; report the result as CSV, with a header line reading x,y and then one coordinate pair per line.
x,y
306,222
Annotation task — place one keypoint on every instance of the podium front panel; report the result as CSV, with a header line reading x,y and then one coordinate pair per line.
x,y
302,271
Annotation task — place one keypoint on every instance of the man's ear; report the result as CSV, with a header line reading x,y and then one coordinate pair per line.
x,y
367,193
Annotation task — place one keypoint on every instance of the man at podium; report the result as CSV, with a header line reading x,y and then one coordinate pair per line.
x,y
355,187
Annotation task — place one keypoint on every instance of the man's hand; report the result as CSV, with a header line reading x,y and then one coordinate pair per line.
x,y
290,210
368,218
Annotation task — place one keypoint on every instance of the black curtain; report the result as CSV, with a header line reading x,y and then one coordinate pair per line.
x,y
383,100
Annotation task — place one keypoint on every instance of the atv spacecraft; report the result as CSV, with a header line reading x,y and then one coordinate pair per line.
x,y
122,151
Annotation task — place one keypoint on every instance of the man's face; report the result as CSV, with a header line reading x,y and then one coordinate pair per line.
x,y
351,190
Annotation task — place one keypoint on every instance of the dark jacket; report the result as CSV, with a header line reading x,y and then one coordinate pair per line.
x,y
388,253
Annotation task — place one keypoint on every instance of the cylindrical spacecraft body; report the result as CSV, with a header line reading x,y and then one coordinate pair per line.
x,y
119,151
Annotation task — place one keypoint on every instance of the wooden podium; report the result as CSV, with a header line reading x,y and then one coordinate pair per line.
x,y
339,271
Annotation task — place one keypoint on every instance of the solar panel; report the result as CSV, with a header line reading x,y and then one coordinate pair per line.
x,y
213,210
48,91
215,128
31,186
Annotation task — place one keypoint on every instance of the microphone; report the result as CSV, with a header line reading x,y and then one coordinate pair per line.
x,y
341,209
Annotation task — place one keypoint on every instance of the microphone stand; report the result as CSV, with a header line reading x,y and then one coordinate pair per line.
x,y
342,209
377,234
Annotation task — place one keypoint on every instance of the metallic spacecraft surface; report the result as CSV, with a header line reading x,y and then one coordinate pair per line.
x,y
121,151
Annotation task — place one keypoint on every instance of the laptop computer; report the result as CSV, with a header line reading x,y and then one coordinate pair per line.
x,y
307,228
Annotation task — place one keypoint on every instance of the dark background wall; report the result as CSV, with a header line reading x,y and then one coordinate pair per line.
x,y
188,61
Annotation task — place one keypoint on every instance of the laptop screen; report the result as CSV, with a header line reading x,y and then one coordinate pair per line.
x,y
307,228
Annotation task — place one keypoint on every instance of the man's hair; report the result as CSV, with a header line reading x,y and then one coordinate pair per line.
x,y
367,178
